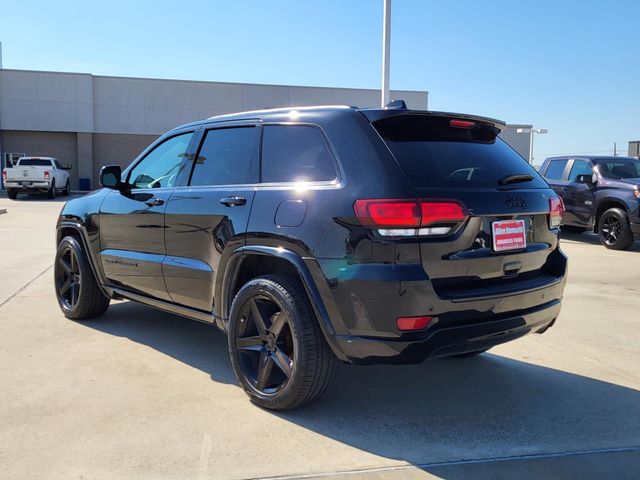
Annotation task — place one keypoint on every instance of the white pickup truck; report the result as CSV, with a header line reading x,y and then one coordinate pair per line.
x,y
36,174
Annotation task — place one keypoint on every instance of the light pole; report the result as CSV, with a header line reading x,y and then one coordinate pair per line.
x,y
386,40
532,131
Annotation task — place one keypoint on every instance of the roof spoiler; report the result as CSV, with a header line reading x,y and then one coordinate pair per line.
x,y
396,108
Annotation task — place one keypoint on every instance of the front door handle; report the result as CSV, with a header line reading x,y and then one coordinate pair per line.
x,y
155,202
233,201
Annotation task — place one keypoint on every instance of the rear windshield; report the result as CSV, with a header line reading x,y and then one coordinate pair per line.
x,y
432,153
34,162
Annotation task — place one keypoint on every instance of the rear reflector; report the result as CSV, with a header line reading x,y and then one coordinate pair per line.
x,y
556,210
461,123
412,323
408,213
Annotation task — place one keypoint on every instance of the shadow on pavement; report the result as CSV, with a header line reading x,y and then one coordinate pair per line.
x,y
439,411
41,198
592,239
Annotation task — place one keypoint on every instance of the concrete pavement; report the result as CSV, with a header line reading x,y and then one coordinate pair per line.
x,y
141,393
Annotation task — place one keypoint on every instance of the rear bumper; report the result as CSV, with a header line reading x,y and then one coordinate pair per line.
x,y
442,340
33,187
364,302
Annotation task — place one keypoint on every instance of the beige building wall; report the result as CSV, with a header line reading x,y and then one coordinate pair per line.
x,y
116,149
91,121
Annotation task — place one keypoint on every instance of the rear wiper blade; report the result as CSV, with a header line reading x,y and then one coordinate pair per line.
x,y
515,178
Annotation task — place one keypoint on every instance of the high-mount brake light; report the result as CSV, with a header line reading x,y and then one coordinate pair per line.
x,y
461,123
556,210
401,218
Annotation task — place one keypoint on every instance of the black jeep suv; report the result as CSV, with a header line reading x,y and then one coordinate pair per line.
x,y
601,194
318,234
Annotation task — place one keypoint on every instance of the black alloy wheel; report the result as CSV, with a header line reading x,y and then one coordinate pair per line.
x,y
277,349
68,278
614,230
263,340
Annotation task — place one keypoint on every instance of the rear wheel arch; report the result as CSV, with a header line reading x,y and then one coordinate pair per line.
x,y
254,261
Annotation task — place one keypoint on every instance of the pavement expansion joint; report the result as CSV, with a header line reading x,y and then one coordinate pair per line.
x,y
21,289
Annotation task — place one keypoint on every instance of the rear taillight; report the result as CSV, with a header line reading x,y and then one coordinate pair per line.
x,y
4,175
556,210
409,217
46,174
412,323
388,213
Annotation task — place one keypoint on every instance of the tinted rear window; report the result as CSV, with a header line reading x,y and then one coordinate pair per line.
x,y
34,162
225,157
434,154
295,153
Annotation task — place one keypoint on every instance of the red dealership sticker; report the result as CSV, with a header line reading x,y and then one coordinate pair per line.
x,y
508,235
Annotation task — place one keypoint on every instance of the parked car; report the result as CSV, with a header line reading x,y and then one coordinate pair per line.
x,y
34,175
316,234
600,194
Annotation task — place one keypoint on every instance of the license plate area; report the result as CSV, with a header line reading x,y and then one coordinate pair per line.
x,y
508,235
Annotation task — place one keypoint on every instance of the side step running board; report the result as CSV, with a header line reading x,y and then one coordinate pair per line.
x,y
166,306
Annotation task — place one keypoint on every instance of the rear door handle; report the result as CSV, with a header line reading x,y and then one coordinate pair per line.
x,y
233,201
155,202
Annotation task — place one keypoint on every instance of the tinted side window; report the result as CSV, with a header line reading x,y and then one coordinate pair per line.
x,y
295,153
579,167
555,169
161,166
225,157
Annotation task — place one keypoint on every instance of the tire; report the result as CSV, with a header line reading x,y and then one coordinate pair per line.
x,y
470,354
12,194
77,291
66,190
52,190
614,229
297,364
572,229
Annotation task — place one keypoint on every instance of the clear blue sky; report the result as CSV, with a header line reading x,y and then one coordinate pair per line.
x,y
570,66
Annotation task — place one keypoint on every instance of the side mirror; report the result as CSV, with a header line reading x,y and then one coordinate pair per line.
x,y
111,177
586,179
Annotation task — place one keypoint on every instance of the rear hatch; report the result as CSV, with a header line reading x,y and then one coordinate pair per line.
x,y
506,238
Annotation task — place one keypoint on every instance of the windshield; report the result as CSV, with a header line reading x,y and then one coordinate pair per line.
x,y
34,162
618,169
432,153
